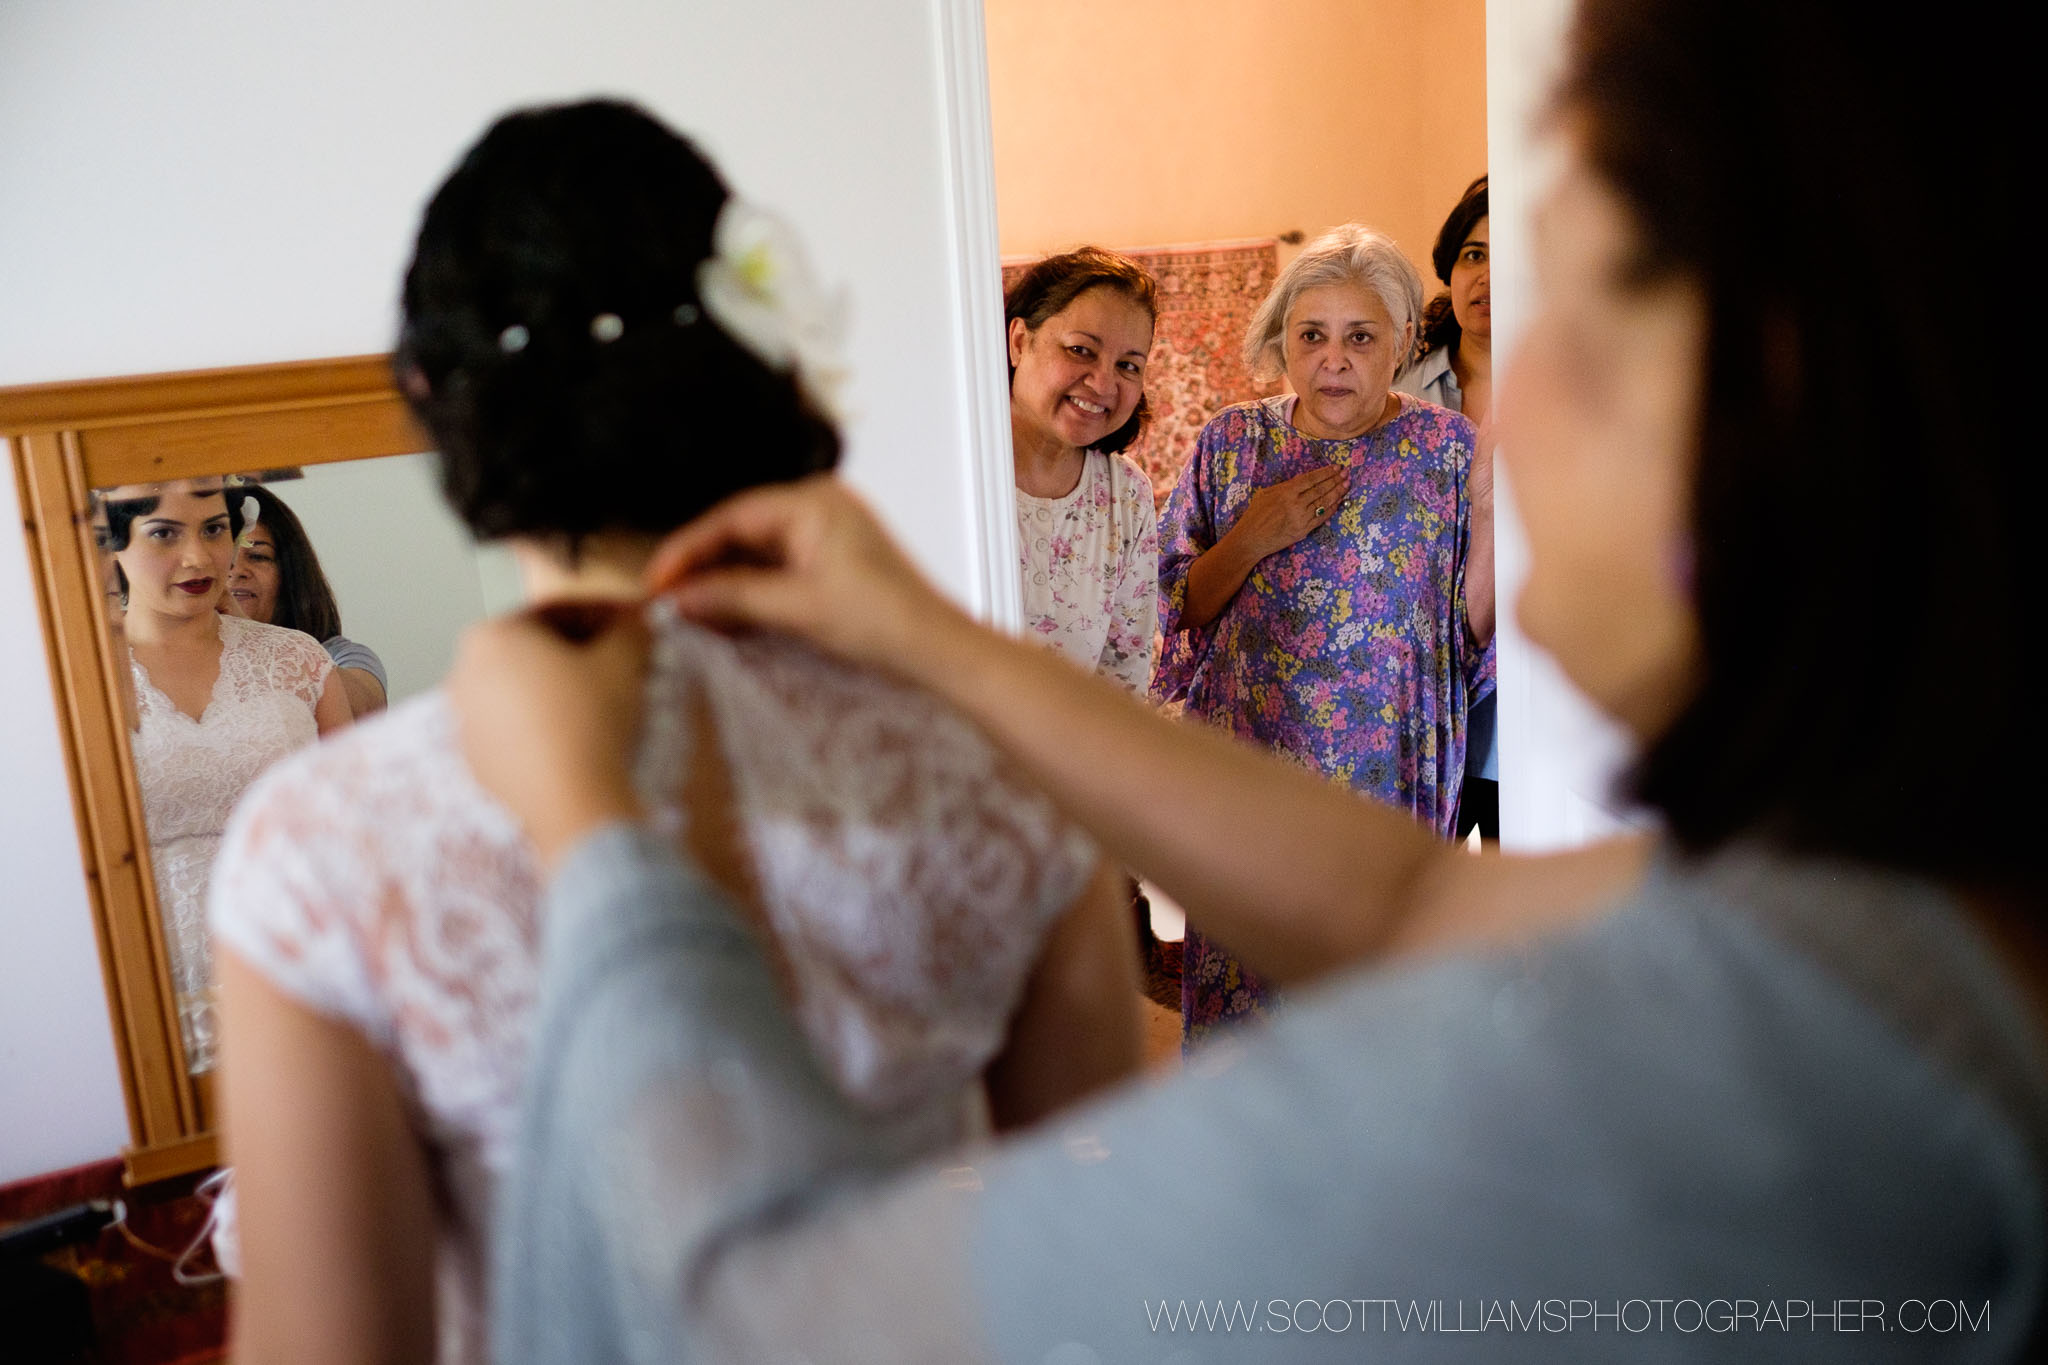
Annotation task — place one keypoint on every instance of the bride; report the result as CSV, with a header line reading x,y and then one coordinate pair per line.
x,y
218,700
604,342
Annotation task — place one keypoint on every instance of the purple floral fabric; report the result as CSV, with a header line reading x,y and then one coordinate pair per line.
x,y
1346,652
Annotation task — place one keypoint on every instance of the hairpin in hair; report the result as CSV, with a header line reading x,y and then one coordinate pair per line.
x,y
252,511
605,328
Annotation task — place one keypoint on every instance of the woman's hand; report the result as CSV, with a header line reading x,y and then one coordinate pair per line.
x,y
807,559
547,705
1280,514
1276,517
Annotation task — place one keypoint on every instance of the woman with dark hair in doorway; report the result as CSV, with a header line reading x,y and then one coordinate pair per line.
x,y
1454,369
1791,1049
276,578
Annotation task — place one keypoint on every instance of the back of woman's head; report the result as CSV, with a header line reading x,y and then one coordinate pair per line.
x,y
556,346
1856,526
1046,288
304,599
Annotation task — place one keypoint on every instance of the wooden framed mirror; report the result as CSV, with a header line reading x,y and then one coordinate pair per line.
x,y
68,439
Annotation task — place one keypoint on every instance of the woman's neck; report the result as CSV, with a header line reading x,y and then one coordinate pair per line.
x,y
149,629
1303,419
607,564
1046,467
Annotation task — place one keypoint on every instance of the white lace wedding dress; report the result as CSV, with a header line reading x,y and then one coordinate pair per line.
x,y
191,773
907,876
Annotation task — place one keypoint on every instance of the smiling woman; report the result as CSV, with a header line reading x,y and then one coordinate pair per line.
x,y
218,700
1080,332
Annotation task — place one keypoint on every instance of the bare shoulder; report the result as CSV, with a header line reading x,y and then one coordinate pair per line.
x,y
362,779
346,857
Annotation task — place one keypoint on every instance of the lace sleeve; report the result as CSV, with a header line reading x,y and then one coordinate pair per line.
x,y
269,659
314,665
281,905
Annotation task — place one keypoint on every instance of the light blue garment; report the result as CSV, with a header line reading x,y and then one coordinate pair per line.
x,y
1760,1081
1432,380
346,653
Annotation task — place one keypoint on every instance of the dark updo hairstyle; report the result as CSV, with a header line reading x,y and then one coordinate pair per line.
x,y
304,600
556,218
1857,572
1050,285
1440,330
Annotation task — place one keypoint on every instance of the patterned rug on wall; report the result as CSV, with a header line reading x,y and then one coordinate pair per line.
x,y
1207,295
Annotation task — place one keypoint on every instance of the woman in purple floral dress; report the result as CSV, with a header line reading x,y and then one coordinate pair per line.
x,y
1325,586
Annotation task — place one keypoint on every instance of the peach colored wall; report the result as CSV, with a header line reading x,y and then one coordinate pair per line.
x,y
1158,121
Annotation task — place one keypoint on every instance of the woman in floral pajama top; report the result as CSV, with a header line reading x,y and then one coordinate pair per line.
x,y
1319,591
1080,329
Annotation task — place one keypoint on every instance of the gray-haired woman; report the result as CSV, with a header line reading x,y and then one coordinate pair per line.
x,y
1321,590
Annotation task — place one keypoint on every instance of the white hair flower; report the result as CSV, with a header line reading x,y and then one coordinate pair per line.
x,y
761,290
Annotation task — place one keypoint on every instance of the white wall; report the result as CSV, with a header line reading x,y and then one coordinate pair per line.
x,y
60,1088
1558,756
403,568
220,182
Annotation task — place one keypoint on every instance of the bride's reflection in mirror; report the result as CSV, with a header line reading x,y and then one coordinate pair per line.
x,y
233,624
219,698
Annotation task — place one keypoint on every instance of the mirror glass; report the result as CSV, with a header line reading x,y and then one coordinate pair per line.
x,y
1218,143
234,593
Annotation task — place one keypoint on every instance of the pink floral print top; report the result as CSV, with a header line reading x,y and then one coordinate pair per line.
x,y
1089,563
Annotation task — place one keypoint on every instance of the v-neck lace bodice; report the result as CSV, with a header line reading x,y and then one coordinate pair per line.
x,y
191,773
